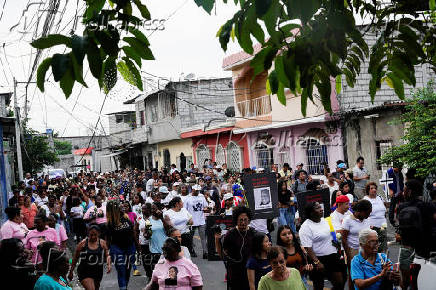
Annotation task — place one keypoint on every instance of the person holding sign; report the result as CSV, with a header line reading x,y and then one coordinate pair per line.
x,y
321,248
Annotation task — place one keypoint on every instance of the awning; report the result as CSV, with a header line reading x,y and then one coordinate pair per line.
x,y
83,151
113,154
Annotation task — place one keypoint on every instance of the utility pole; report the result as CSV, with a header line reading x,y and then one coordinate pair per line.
x,y
18,133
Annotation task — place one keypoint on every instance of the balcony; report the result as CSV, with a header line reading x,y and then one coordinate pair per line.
x,y
255,107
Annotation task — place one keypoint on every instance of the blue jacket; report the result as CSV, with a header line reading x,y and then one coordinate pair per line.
x,y
393,186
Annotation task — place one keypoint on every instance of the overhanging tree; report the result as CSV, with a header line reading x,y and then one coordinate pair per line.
x,y
419,149
37,151
62,147
309,41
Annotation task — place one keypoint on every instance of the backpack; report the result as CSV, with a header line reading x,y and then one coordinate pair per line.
x,y
410,224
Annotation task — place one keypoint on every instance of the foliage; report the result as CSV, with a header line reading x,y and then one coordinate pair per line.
x,y
313,42
62,147
419,150
102,43
36,151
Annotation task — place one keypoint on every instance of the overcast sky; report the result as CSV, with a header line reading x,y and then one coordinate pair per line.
x,y
187,44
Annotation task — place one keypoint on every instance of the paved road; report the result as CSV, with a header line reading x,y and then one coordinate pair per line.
x,y
213,272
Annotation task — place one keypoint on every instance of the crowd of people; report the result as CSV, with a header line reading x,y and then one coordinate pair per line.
x,y
130,217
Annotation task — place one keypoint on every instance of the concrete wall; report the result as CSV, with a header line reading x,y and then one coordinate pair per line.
x,y
175,147
358,97
362,133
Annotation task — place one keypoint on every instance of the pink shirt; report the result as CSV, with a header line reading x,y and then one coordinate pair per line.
x,y
34,238
91,211
11,229
185,275
61,233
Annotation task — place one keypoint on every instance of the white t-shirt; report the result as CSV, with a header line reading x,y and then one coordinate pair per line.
x,y
144,195
338,218
172,194
317,236
78,210
142,227
195,205
377,216
332,188
354,226
179,219
149,185
260,225
184,197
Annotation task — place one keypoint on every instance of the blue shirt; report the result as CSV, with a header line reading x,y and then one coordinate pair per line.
x,y
362,269
261,267
46,282
158,236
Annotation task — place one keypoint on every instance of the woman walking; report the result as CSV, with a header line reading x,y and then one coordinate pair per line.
x,y
91,252
180,219
286,206
121,239
258,265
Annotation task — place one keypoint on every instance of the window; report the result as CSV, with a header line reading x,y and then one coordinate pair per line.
x,y
220,155
316,156
381,148
167,106
264,156
166,158
283,157
203,153
118,118
234,155
152,112
142,117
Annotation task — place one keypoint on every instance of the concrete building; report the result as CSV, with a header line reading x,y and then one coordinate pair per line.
x,y
369,129
164,115
275,133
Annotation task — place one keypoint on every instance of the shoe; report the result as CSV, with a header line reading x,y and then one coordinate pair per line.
x,y
136,273
205,256
194,255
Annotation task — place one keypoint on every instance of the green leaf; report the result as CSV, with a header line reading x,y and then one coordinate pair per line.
x,y
280,69
78,70
130,53
281,94
94,59
59,65
304,97
51,40
40,74
338,84
94,7
206,4
273,82
136,74
143,9
79,45
109,77
67,82
262,7
398,85
140,36
432,4
262,61
108,43
125,72
268,87
141,49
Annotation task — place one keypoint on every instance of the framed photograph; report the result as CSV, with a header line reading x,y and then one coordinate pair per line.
x,y
262,198
261,194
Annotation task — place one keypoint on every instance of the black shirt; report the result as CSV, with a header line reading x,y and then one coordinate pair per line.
x,y
121,235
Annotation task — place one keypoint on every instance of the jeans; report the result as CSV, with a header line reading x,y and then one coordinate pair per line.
x,y
123,260
287,218
202,233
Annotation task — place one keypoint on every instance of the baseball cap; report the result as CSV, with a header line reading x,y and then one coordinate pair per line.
x,y
176,183
196,187
342,198
300,164
228,196
342,165
163,189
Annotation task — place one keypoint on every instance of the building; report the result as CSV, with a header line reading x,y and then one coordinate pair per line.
x,y
277,133
7,156
164,115
369,129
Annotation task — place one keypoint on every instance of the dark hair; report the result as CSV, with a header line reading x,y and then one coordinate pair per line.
x,y
342,184
174,268
257,244
362,205
171,230
286,164
12,212
44,250
308,209
333,199
274,252
368,186
359,159
240,209
55,258
41,216
174,201
295,240
174,243
415,187
94,226
9,252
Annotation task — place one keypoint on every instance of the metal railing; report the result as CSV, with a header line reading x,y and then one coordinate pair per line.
x,y
255,107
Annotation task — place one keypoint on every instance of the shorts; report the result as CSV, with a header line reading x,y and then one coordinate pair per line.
x,y
406,257
87,271
332,264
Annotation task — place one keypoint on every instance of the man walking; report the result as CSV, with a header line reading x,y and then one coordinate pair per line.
x,y
360,177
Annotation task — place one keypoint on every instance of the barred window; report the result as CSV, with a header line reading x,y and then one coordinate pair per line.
x,y
283,157
316,155
382,147
203,153
234,156
220,155
264,156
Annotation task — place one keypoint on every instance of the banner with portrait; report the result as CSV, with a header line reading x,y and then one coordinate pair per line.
x,y
321,196
261,194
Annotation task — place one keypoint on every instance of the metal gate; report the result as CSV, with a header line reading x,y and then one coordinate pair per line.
x,y
203,153
234,155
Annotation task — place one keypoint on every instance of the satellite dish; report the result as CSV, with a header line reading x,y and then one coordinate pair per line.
x,y
190,76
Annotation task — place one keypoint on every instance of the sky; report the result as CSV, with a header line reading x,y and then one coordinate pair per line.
x,y
187,44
